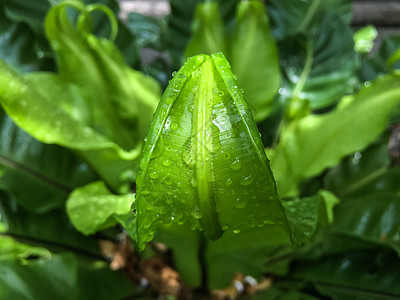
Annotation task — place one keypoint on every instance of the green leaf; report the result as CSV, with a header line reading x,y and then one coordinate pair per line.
x,y
245,252
364,39
289,19
319,67
376,65
375,217
208,31
92,207
64,276
367,274
304,152
364,173
51,230
185,246
16,44
46,171
203,163
29,101
304,214
254,58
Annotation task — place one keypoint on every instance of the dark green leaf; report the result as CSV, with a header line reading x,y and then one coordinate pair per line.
x,y
363,173
304,214
289,19
376,65
184,243
51,230
319,67
245,252
63,276
375,217
38,176
364,274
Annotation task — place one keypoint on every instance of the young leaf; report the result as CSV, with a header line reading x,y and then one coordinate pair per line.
x,y
203,162
92,207
209,34
304,152
254,57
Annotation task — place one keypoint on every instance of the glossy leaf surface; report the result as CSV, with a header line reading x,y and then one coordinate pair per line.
x,y
203,162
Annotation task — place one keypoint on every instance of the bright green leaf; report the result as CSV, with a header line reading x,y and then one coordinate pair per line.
x,y
208,31
364,39
91,207
315,142
203,163
254,58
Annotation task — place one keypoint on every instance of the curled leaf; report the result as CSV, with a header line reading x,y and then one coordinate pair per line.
x,y
203,164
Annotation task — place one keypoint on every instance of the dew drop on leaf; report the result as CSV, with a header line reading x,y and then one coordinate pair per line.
x,y
246,180
236,164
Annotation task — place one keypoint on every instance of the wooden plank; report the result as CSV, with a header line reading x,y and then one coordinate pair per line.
x,y
378,13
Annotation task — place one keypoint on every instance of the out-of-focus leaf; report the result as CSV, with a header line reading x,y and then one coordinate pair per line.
x,y
63,276
38,176
91,207
51,230
33,14
245,252
304,214
364,39
288,19
208,31
377,65
32,107
180,21
371,274
304,151
319,67
146,30
16,40
203,163
363,173
254,58
374,217
185,245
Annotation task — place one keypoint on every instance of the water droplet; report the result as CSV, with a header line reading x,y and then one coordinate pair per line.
x,y
145,191
142,164
227,156
367,84
225,227
174,126
174,73
221,93
166,162
246,180
154,175
236,231
240,204
228,182
196,214
236,164
168,180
